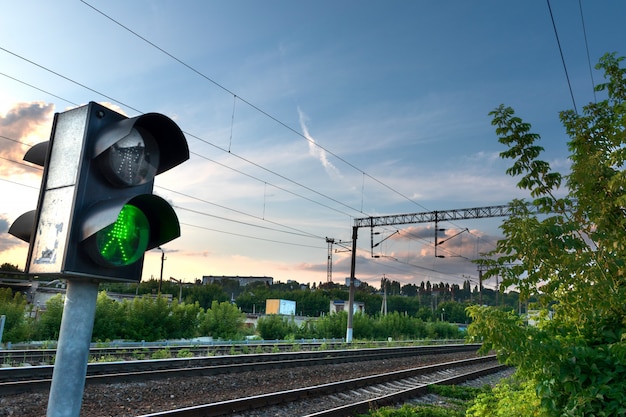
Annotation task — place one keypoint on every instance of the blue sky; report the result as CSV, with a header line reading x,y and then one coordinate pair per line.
x,y
302,116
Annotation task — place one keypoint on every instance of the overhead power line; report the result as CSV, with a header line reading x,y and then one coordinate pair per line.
x,y
248,161
582,20
263,112
199,155
19,183
38,89
251,237
235,97
255,107
556,34
69,79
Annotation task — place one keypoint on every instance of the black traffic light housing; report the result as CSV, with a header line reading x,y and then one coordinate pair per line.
x,y
96,214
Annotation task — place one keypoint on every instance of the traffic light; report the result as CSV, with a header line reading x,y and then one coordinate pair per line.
x,y
96,214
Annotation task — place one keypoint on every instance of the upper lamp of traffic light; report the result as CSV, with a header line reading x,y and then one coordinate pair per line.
x,y
132,160
133,151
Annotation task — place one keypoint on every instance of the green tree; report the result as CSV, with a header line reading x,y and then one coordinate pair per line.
x,y
205,295
424,313
275,327
569,251
401,304
452,312
410,290
147,318
11,271
15,308
332,326
508,399
110,319
222,321
184,320
364,328
313,303
253,300
49,323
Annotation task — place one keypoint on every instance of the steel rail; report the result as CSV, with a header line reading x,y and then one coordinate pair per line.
x,y
123,352
24,379
130,351
401,396
307,393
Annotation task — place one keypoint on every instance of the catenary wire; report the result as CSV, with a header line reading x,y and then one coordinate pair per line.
x,y
295,232
556,34
251,237
582,20
18,183
19,163
304,234
186,133
219,147
274,185
235,97
263,112
38,89
258,226
68,79
255,107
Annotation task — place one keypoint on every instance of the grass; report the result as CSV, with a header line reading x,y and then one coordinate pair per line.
x,y
456,400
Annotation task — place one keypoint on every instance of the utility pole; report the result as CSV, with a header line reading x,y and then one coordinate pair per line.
x,y
355,232
163,258
2,320
383,307
480,287
180,288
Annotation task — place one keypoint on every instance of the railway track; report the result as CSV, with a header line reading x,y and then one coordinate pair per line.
x,y
138,351
33,378
348,397
16,357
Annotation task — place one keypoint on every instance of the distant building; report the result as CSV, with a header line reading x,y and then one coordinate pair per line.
x,y
357,283
340,305
243,281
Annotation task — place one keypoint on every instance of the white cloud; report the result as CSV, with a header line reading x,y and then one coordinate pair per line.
x,y
316,151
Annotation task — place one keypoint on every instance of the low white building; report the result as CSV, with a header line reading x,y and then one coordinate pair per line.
x,y
340,305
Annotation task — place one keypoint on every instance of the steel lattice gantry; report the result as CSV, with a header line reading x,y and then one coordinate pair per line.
x,y
434,216
424,217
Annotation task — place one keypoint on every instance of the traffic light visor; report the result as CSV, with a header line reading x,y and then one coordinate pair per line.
x,y
116,237
159,134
